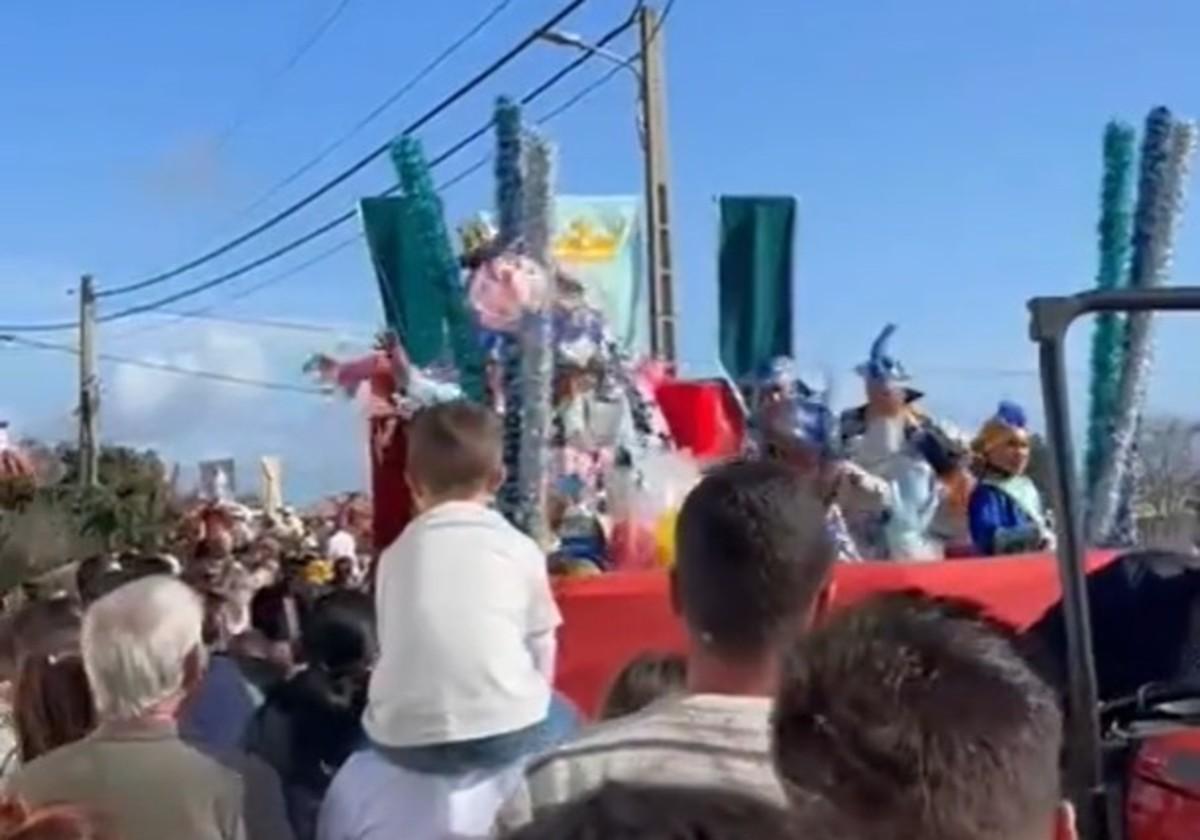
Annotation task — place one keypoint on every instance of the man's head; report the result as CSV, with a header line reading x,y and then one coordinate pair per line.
x,y
143,648
914,717
754,558
455,451
628,812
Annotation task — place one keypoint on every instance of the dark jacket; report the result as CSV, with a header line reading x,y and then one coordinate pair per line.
x,y
306,729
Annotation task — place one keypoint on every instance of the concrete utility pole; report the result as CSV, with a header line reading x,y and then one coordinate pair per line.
x,y
89,453
658,218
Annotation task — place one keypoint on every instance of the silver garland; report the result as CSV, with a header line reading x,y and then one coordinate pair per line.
x,y
536,337
1154,233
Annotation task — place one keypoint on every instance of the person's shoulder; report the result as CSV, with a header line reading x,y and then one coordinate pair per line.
x,y
694,729
28,780
600,740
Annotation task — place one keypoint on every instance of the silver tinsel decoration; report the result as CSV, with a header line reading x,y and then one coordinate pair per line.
x,y
1166,159
536,338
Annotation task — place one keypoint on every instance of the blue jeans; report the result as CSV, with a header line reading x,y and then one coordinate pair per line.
x,y
458,757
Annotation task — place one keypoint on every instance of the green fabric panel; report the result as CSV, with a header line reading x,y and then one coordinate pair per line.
x,y
755,281
413,309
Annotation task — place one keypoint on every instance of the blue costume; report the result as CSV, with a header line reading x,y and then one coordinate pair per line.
x,y
887,442
1005,512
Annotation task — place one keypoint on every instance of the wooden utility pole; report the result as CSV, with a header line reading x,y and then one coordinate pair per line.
x,y
89,454
658,219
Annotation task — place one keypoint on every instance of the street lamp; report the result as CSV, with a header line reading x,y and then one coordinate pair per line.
x,y
571,39
577,42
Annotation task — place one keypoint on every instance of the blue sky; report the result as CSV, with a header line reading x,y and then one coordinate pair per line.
x,y
945,156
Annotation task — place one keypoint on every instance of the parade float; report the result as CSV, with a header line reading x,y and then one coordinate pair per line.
x,y
602,443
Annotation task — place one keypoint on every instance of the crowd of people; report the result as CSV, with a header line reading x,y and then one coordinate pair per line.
x,y
220,701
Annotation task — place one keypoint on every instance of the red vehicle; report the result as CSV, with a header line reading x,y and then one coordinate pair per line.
x,y
1133,762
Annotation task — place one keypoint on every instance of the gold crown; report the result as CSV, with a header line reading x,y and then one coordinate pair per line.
x,y
476,234
584,242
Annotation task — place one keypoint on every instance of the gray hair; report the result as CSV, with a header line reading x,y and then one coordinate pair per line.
x,y
136,642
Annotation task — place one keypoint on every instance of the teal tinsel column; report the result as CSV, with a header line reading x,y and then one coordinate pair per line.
x,y
536,337
1116,204
510,208
438,263
1167,148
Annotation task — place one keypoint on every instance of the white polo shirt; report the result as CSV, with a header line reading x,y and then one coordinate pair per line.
x,y
460,594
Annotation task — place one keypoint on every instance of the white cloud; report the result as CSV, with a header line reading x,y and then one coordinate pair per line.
x,y
140,394
189,419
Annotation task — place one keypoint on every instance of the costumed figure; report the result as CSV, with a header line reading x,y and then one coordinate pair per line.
x,y
886,437
777,381
800,432
1006,511
948,453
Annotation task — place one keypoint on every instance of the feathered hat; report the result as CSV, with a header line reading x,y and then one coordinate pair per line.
x,y
1008,421
881,365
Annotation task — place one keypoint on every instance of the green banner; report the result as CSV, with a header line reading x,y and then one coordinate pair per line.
x,y
755,281
414,309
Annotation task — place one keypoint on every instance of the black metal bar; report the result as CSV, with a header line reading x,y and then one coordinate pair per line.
x,y
1086,762
1051,318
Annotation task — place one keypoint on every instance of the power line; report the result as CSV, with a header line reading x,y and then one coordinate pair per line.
x,y
381,108
350,214
242,294
529,97
297,55
203,311
272,323
289,211
163,367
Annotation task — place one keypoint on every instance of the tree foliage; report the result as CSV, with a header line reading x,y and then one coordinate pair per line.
x,y
51,520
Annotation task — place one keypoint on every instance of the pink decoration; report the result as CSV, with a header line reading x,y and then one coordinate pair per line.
x,y
504,288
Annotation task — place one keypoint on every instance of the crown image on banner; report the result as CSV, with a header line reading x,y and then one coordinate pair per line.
x,y
589,241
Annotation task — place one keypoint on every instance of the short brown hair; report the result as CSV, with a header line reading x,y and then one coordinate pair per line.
x,y
646,678
915,716
455,448
753,557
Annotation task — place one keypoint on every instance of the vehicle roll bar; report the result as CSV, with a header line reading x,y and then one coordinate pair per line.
x,y
1050,318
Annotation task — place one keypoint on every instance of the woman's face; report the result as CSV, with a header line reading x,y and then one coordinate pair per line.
x,y
1012,455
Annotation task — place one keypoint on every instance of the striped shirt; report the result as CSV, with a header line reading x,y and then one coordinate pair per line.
x,y
699,740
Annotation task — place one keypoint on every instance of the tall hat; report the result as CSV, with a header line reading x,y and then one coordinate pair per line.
x,y
797,422
881,366
1008,421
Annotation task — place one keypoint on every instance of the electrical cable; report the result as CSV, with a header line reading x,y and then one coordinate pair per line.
x,y
296,206
350,214
242,294
420,76
164,367
528,98
297,55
